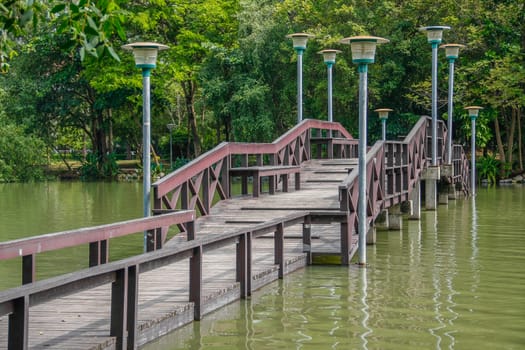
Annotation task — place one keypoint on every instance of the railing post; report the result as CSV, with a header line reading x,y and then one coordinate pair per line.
x,y
307,145
118,327
225,176
190,230
150,240
98,253
345,228
206,191
196,282
307,239
279,248
28,268
133,293
244,274
17,338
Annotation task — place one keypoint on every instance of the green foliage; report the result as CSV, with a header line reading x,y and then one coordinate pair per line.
x,y
90,25
230,62
93,168
22,157
488,168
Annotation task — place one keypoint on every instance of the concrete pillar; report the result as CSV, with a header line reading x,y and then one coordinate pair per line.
x,y
443,197
395,218
371,236
381,222
452,193
415,199
431,175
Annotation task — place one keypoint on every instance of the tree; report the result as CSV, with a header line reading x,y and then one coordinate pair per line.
x,y
88,24
22,156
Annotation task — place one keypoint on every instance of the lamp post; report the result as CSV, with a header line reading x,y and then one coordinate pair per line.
x,y
452,53
329,60
434,35
473,112
299,41
170,127
363,53
383,115
145,54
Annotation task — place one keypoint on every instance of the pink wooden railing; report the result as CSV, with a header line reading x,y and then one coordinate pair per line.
x,y
197,184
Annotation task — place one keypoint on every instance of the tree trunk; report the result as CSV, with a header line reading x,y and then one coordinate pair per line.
x,y
501,150
189,95
510,145
110,130
520,152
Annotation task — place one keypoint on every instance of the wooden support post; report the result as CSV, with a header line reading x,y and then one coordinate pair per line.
x,y
248,264
279,248
196,282
190,230
284,180
297,181
346,241
206,190
28,268
158,238
104,251
256,185
241,259
133,300
307,239
271,184
18,328
244,179
225,176
118,327
184,196
98,253
150,241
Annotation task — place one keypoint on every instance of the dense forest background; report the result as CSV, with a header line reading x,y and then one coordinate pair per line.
x,y
68,88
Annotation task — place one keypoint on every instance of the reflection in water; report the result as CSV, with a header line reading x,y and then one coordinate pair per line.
x,y
436,283
364,309
453,280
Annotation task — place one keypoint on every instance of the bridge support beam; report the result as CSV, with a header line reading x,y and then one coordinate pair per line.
x,y
452,193
371,237
431,176
381,223
415,199
443,197
395,218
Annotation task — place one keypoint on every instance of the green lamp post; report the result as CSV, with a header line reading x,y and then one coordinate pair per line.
x,y
299,41
363,53
145,54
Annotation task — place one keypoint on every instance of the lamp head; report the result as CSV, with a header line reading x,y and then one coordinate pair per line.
x,y
145,53
434,33
473,111
452,50
299,40
329,55
364,47
383,113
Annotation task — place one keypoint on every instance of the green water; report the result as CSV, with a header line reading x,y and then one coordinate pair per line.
x,y
454,280
39,208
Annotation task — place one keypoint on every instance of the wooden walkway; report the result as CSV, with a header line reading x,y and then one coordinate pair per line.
x,y
81,320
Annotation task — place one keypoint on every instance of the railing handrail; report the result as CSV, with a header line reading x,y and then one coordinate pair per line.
x,y
71,238
199,164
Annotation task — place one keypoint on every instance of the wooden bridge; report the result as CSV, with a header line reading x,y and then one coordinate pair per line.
x,y
301,203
